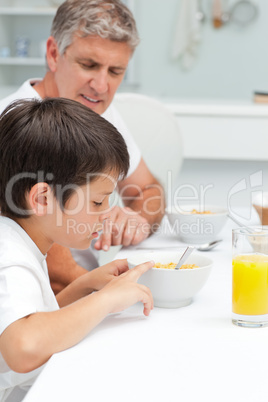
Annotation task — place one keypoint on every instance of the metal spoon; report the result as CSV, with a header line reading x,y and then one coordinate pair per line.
x,y
208,246
202,247
184,256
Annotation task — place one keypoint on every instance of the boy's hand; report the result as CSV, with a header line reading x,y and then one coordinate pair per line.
x,y
124,291
99,277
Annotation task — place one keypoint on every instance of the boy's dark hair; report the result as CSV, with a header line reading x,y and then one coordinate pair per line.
x,y
57,141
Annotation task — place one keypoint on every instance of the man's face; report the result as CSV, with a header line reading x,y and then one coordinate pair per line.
x,y
91,70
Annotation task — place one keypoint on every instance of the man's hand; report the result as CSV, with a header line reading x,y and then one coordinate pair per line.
x,y
122,226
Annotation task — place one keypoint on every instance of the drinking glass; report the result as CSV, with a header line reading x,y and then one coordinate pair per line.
x,y
250,277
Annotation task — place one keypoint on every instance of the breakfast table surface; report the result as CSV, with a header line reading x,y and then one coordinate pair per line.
x,y
188,354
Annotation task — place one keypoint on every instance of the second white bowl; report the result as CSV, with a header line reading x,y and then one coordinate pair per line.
x,y
196,228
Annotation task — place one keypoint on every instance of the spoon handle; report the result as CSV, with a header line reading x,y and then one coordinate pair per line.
x,y
184,256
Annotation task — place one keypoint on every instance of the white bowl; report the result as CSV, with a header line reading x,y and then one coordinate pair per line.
x,y
172,288
194,228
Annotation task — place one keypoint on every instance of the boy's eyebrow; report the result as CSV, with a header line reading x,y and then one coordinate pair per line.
x,y
109,193
103,193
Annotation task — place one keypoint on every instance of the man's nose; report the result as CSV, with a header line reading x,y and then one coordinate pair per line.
x,y
100,82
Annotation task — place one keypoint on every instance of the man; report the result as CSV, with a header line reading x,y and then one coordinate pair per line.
x,y
88,52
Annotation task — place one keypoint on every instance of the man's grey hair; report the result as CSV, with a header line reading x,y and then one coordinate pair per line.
x,y
109,19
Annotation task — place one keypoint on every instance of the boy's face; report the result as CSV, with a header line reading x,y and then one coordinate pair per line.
x,y
80,221
91,70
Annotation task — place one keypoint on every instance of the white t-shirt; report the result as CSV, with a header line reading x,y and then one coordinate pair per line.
x,y
24,289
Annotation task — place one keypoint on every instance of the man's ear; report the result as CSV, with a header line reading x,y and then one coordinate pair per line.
x,y
40,198
52,54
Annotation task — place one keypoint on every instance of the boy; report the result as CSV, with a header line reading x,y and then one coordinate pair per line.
x,y
87,55
59,163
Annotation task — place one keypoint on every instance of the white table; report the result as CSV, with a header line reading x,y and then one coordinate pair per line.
x,y
188,354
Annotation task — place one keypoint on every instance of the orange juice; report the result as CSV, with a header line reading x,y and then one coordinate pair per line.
x,y
250,284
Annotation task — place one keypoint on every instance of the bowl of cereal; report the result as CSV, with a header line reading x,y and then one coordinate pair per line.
x,y
196,225
172,288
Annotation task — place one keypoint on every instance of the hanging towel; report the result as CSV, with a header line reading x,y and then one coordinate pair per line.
x,y
187,34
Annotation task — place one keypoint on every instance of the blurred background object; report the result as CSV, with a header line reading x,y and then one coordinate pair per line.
x,y
217,14
260,203
187,33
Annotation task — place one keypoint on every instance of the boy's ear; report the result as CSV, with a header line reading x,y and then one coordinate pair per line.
x,y
39,198
52,54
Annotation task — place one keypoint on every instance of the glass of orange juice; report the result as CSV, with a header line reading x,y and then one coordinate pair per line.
x,y
250,277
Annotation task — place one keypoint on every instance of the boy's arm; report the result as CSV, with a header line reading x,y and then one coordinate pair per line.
x,y
29,342
82,282
91,281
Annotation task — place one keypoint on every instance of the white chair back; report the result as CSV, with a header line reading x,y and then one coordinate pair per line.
x,y
156,131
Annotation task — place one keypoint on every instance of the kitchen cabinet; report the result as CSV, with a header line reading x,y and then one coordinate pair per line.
x,y
222,130
224,148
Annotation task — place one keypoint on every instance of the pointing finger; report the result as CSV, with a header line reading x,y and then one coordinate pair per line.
x,y
142,268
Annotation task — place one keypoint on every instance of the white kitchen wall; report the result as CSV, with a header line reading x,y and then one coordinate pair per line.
x,y
232,62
